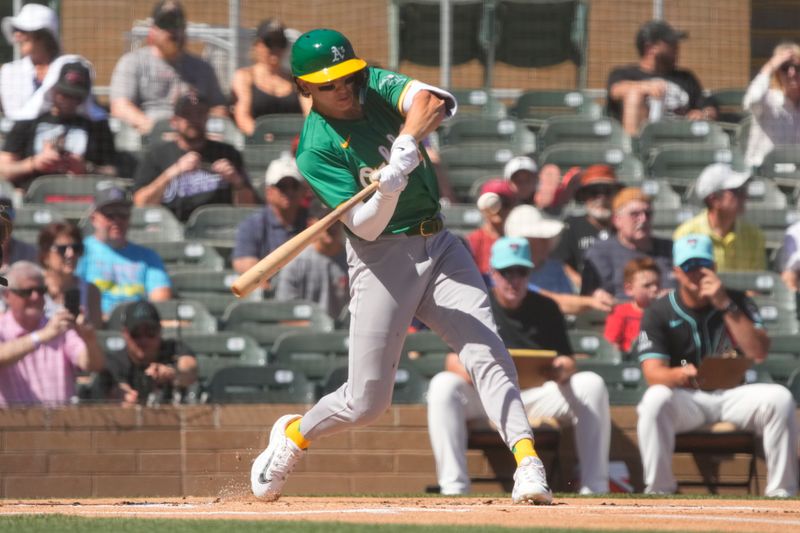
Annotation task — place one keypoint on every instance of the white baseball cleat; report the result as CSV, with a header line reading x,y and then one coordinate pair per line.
x,y
530,483
272,467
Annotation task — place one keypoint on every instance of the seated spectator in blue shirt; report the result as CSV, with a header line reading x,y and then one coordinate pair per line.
x,y
281,219
123,271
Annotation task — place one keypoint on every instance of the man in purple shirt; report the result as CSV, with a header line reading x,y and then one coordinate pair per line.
x,y
39,358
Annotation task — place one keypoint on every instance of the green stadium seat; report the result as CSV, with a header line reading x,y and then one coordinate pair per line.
x,y
782,165
627,166
461,218
593,344
468,164
217,224
485,131
681,131
316,354
279,128
478,102
211,288
662,194
154,223
765,283
681,164
625,382
30,219
221,350
177,318
188,255
223,129
259,384
410,387
424,352
793,384
535,107
665,221
603,131
730,104
267,320
72,195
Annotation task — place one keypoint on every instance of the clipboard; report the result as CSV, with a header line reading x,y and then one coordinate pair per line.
x,y
533,366
722,372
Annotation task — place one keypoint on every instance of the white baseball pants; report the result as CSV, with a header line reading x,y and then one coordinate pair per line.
x,y
582,402
392,279
766,409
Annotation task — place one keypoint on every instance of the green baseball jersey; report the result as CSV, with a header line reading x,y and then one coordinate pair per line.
x,y
337,157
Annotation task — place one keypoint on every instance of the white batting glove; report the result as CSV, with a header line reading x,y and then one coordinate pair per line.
x,y
405,154
391,180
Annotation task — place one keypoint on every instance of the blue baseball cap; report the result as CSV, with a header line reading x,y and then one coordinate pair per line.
x,y
692,247
510,251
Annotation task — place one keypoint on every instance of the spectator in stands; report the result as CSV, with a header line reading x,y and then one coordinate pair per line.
x,y
150,370
192,170
60,130
773,99
605,261
282,218
147,81
40,357
522,173
642,283
525,319
14,249
738,245
60,248
319,273
656,87
702,319
790,257
597,186
265,87
35,30
123,271
495,202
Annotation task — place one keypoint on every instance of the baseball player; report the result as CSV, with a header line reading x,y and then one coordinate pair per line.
x,y
401,261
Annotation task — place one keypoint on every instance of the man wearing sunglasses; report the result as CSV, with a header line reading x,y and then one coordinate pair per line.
x,y
40,358
147,81
702,319
149,370
528,320
367,123
123,271
738,245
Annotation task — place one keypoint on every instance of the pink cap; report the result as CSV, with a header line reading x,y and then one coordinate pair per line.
x,y
499,187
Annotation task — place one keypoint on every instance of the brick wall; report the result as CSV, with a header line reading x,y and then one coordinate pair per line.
x,y
206,451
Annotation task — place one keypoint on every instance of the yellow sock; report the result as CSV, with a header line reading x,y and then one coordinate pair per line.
x,y
522,449
293,433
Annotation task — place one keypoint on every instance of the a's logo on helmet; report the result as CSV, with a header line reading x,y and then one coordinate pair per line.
x,y
338,53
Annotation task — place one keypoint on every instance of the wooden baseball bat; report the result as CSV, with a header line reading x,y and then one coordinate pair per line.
x,y
277,259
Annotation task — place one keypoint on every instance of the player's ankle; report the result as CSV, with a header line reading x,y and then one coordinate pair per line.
x,y
523,448
293,434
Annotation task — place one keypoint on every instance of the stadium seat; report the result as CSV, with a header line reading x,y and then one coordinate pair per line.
x,y
627,166
30,219
316,354
220,350
485,131
73,195
410,387
662,194
478,102
217,224
681,164
625,382
154,223
223,129
258,157
779,317
188,255
604,131
259,384
679,131
211,288
765,283
665,221
782,165
280,128
267,320
534,108
730,104
593,344
424,352
177,318
468,164
461,218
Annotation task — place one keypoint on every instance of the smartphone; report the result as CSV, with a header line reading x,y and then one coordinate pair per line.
x,y
72,301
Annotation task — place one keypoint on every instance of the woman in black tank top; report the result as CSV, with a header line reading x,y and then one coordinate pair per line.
x,y
264,87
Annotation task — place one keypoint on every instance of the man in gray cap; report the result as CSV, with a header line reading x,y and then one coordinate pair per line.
x,y
655,86
123,271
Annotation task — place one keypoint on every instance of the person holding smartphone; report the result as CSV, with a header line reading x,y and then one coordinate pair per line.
x,y
60,247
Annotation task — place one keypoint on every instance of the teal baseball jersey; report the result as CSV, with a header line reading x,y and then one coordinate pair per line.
x,y
337,157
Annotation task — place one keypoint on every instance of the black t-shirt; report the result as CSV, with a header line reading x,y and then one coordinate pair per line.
x,y
684,91
673,332
121,369
78,135
578,235
189,190
537,324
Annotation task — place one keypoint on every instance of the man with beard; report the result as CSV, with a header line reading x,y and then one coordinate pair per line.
x,y
604,267
192,170
655,87
598,185
147,81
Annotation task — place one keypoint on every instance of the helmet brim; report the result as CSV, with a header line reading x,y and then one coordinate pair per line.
x,y
335,72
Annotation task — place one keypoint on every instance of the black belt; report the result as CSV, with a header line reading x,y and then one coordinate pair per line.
x,y
426,228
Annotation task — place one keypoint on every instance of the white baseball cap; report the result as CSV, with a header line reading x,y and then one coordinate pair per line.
x,y
521,162
718,177
283,167
31,17
527,221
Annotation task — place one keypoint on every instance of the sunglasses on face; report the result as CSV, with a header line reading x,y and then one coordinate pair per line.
x,y
61,249
116,213
350,80
786,66
600,190
514,272
148,332
696,264
645,213
26,293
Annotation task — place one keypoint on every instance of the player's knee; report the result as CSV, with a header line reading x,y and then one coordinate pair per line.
x,y
367,410
779,400
590,385
654,402
444,388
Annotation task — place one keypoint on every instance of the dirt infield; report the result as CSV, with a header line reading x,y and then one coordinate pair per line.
x,y
612,514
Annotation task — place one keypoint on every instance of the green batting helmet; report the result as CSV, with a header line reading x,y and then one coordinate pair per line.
x,y
322,55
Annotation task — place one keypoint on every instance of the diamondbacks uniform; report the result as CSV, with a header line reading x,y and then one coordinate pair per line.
x,y
408,271
673,332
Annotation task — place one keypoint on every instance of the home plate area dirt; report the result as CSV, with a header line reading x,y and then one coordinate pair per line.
x,y
594,513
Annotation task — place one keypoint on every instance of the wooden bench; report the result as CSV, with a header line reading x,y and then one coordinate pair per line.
x,y
721,438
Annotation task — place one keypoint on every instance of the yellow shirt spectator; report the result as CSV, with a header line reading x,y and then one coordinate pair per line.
x,y
741,249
